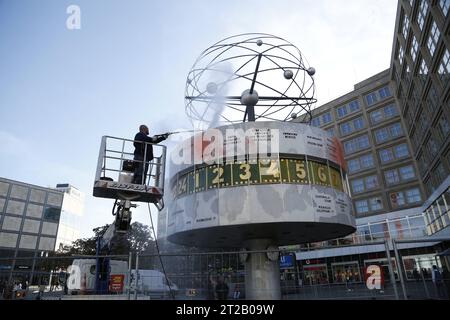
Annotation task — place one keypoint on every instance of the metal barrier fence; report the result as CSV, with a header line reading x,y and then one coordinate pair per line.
x,y
407,269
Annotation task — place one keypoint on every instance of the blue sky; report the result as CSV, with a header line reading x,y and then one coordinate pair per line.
x,y
61,90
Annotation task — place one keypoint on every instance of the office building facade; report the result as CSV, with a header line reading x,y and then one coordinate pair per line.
x,y
420,72
383,176
395,131
29,221
382,173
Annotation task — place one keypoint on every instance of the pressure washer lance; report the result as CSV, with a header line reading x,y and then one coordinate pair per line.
x,y
167,134
185,131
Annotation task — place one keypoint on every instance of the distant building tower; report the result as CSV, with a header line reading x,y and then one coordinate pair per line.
x,y
71,215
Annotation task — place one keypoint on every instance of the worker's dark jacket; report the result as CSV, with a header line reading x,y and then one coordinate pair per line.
x,y
139,148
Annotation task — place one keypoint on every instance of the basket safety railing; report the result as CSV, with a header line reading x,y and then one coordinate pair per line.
x,y
117,162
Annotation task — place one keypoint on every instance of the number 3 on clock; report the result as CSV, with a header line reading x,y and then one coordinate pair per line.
x,y
245,171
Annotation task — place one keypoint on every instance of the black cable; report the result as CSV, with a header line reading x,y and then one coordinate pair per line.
x,y
157,246
159,254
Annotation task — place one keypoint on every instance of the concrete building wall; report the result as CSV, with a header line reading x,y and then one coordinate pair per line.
x,y
29,217
383,175
420,70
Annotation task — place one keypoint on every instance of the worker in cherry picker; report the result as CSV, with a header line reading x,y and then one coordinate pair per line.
x,y
140,151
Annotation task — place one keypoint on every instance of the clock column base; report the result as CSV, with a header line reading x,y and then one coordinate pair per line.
x,y
262,275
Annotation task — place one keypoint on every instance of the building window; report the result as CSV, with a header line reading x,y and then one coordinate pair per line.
x,y
345,128
415,98
341,111
407,173
384,92
315,122
396,152
432,99
363,184
423,10
432,147
371,98
390,111
423,71
405,27
326,118
408,118
401,150
401,54
414,48
403,173
358,123
52,214
445,5
363,162
331,131
363,142
407,75
386,112
361,206
371,182
444,67
397,78
444,127
422,124
413,196
381,135
358,185
353,165
401,94
350,146
392,176
367,161
422,161
433,38
352,126
440,170
376,116
353,106
376,204
395,130
386,155
397,199
356,144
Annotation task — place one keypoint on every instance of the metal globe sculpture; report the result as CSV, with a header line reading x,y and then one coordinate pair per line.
x,y
278,82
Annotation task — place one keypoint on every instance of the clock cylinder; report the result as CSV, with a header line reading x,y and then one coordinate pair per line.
x,y
280,180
